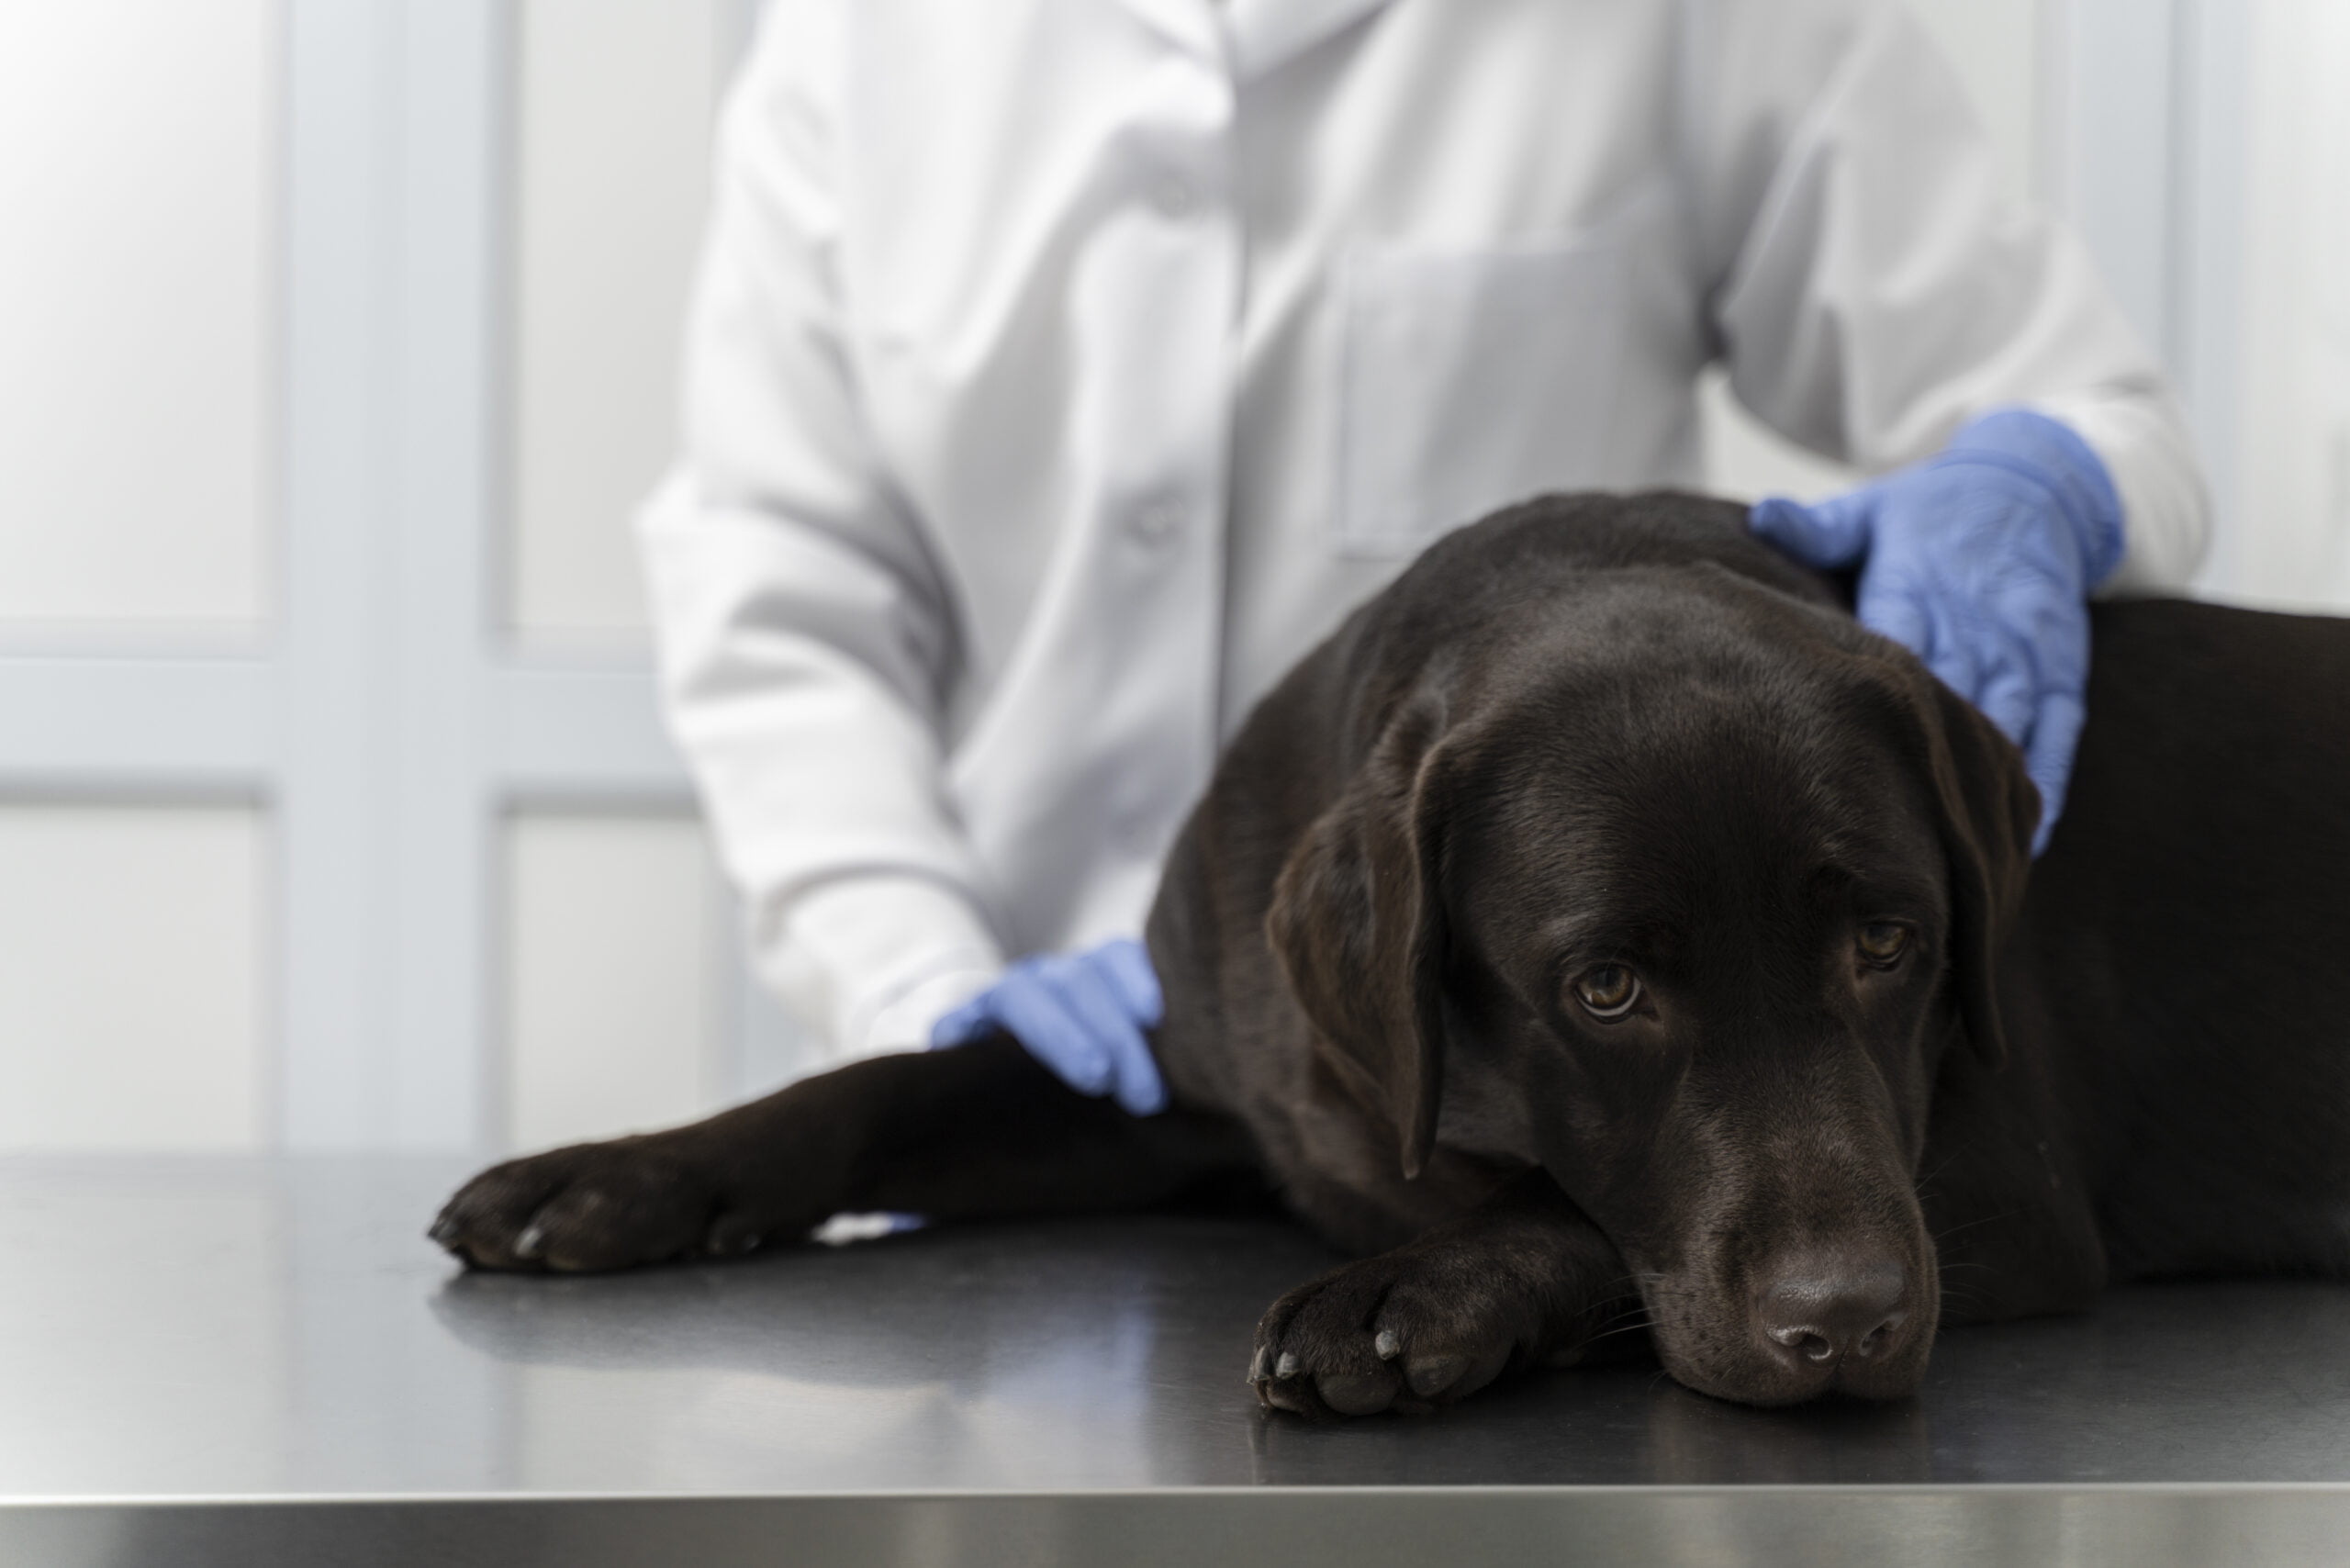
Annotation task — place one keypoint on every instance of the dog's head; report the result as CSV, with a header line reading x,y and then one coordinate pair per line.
x,y
1707,878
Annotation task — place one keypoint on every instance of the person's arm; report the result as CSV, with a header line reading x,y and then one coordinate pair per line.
x,y
1875,286
1878,298
806,637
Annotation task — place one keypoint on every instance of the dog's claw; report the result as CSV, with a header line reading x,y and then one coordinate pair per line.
x,y
1288,1366
530,1242
444,1231
1389,1345
1257,1369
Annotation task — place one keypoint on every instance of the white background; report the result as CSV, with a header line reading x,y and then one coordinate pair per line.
x,y
335,347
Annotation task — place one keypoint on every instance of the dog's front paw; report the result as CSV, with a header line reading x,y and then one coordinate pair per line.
x,y
1407,1331
591,1206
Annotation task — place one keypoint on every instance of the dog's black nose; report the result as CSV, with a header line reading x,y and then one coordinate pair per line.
x,y
1822,1310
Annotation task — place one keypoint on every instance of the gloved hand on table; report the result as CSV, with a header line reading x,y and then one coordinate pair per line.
x,y
1081,1014
1980,559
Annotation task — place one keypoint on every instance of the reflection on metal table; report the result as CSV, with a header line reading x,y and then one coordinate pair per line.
x,y
263,1361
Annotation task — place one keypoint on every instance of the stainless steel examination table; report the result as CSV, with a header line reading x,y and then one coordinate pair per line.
x,y
260,1362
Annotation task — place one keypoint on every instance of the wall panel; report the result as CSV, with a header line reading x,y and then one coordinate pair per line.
x,y
131,950
136,174
2285,539
612,123
612,1016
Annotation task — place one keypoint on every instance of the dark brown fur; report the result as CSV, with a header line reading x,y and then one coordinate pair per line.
x,y
1601,731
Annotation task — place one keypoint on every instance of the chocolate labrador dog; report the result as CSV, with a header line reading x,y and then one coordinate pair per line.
x,y
1603,932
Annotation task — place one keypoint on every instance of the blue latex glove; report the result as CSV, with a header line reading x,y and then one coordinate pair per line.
x,y
1081,1014
1980,560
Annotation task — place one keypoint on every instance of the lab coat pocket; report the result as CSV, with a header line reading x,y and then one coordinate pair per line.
x,y
1471,379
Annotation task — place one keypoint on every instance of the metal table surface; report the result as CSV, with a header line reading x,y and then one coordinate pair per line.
x,y
263,1361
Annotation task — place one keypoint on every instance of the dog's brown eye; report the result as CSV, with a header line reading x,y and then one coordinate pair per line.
x,y
1608,992
1882,942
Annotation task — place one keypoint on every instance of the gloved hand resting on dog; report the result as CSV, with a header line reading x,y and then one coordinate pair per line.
x,y
1081,1014
1981,559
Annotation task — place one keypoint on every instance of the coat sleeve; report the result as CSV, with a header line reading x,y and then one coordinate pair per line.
x,y
1873,286
805,636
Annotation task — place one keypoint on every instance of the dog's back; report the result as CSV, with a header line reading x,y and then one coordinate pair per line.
x,y
2189,934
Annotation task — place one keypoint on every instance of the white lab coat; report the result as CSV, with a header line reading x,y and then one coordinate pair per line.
x,y
1061,370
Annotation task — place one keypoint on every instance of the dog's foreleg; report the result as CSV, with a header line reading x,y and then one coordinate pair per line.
x,y
975,1131
1524,1279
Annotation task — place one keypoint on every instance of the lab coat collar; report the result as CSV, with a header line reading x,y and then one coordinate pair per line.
x,y
1263,33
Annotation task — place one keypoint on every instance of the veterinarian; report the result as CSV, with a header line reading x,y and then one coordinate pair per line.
x,y
1060,371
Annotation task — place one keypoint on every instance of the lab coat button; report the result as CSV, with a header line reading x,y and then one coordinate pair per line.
x,y
1157,526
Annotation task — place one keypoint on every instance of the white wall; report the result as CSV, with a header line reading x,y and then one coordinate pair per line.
x,y
137,156
2289,506
136,276
617,1015
618,1010
614,109
610,931
380,847
130,987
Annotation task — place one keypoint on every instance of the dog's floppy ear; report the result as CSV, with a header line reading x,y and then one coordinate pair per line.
x,y
1988,809
1358,923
